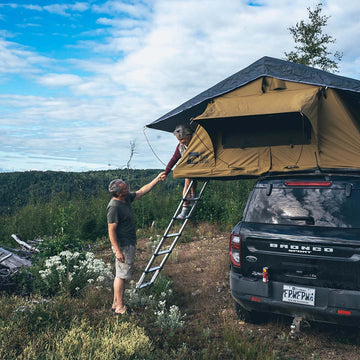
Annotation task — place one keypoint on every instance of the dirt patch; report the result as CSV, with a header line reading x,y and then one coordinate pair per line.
x,y
200,272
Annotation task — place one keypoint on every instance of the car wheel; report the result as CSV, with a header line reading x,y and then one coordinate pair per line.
x,y
252,317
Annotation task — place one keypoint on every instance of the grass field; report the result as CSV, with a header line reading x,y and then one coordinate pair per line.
x,y
203,325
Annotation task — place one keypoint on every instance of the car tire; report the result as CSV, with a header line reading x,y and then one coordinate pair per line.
x,y
251,317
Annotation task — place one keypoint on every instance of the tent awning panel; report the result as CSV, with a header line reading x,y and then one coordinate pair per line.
x,y
281,101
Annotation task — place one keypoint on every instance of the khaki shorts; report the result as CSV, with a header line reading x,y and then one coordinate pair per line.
x,y
123,270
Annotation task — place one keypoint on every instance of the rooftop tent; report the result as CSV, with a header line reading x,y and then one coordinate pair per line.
x,y
273,116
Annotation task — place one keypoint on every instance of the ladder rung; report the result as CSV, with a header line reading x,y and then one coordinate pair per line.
x,y
153,269
163,252
144,285
172,235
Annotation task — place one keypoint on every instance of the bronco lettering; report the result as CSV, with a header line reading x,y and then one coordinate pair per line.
x,y
301,248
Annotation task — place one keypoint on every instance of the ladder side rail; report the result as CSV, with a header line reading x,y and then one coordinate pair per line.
x,y
159,245
165,258
183,225
187,191
195,202
173,218
140,281
156,251
158,268
155,254
167,254
202,189
153,257
170,225
163,261
154,277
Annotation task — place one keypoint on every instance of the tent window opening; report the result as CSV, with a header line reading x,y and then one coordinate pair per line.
x,y
266,130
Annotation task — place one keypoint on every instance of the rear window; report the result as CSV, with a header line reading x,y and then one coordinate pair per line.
x,y
305,206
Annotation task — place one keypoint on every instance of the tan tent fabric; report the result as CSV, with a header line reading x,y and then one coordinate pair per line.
x,y
274,102
335,137
339,139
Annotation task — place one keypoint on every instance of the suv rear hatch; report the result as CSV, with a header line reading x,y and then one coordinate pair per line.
x,y
316,237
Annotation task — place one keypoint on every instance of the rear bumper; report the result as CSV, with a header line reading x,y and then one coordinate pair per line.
x,y
255,295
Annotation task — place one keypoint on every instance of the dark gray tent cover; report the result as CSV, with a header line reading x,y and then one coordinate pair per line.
x,y
266,66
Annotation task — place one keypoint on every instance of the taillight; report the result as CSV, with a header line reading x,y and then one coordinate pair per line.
x,y
235,240
308,183
344,312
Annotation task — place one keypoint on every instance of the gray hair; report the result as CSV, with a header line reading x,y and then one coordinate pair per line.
x,y
183,131
116,186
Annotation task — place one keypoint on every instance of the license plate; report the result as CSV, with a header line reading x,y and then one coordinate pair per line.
x,y
298,295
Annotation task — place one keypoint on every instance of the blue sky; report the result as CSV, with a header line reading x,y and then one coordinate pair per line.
x,y
79,80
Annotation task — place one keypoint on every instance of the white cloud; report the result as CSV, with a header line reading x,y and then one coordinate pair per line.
x,y
15,58
151,60
136,9
80,6
59,80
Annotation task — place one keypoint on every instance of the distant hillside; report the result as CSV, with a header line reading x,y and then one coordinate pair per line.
x,y
39,204
17,189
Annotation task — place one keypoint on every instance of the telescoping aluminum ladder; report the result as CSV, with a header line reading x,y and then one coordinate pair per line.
x,y
168,241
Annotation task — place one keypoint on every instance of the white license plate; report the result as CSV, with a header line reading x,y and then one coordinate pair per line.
x,y
298,295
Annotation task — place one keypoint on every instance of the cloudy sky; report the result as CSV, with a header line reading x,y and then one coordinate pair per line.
x,y
79,80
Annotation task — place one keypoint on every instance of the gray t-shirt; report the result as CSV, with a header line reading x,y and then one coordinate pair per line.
x,y
121,213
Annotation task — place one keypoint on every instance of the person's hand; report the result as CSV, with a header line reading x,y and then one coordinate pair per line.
x,y
120,256
162,176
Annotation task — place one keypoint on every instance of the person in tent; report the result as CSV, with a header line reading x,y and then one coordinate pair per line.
x,y
122,234
184,135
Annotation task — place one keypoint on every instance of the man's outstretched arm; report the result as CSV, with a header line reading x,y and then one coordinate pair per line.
x,y
148,187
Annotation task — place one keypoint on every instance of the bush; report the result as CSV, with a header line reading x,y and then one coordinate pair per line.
x,y
70,273
155,299
51,246
119,340
169,319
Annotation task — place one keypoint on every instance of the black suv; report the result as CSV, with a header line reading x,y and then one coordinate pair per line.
x,y
296,250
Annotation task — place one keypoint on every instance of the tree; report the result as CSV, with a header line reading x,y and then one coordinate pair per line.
x,y
312,48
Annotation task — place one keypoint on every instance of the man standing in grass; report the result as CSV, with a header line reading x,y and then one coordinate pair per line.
x,y
122,234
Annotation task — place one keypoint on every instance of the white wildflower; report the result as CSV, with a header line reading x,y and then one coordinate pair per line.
x,y
100,279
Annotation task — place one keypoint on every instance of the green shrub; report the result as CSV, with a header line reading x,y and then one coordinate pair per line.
x,y
113,340
169,319
149,297
51,246
155,299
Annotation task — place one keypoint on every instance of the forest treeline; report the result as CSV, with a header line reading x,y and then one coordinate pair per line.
x,y
45,204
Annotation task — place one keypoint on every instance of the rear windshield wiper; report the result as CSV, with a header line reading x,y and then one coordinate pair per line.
x,y
309,220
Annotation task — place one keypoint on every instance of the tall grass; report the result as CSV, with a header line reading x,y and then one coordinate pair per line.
x,y
65,328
